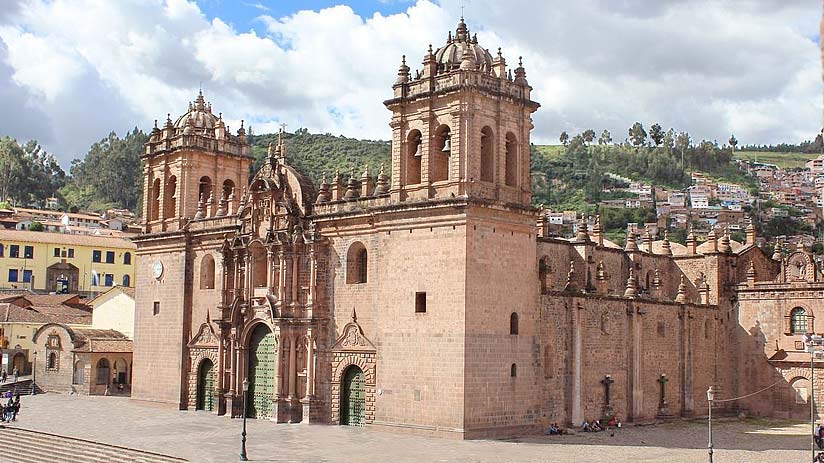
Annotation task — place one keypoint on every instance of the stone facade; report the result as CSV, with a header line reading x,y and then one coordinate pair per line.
x,y
433,303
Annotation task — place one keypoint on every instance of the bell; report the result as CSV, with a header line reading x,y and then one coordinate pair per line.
x,y
447,145
418,151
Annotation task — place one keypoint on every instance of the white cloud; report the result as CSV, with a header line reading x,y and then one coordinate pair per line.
x,y
73,70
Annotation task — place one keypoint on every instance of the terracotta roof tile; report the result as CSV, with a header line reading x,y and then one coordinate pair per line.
x,y
26,236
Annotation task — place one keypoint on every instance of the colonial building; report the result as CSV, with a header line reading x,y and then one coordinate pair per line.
x,y
427,298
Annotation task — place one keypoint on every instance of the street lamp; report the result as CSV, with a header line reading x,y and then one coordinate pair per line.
x,y
814,344
34,373
243,434
710,398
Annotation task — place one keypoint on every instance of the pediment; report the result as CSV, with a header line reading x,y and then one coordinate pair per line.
x,y
352,339
205,337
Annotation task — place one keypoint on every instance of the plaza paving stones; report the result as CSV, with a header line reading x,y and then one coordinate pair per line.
x,y
203,437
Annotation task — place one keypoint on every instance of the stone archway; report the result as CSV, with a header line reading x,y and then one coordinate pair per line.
x,y
205,386
261,372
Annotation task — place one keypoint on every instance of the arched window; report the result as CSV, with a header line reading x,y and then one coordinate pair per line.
x,y
513,370
127,281
511,176
171,197
356,263
207,272
513,323
487,155
103,371
801,390
798,321
204,189
440,155
77,378
154,213
414,153
127,258
228,188
544,275
52,364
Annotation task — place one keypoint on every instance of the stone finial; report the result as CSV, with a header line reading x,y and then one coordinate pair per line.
x,y
631,245
468,59
600,271
230,201
582,234
570,276
692,243
598,231
210,205
337,187
656,279
725,245
713,240
242,203
222,207
632,288
323,191
778,251
201,208
751,275
648,241
665,244
751,234
703,289
681,297
403,72
367,184
520,73
354,315
352,188
382,186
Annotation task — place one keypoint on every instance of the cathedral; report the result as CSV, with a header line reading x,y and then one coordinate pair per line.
x,y
430,298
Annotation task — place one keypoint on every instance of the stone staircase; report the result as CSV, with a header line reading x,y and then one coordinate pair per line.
x,y
23,445
23,386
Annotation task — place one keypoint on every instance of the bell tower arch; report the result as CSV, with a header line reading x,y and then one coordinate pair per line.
x,y
461,125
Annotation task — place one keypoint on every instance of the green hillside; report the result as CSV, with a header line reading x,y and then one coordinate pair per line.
x,y
783,160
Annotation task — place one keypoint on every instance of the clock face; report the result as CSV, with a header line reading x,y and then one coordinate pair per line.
x,y
157,269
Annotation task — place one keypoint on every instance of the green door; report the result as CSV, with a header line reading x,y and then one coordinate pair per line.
x,y
352,406
205,386
262,354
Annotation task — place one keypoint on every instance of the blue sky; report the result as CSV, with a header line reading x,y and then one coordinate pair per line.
x,y
243,14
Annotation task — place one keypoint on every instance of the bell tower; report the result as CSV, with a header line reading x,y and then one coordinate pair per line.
x,y
192,160
461,125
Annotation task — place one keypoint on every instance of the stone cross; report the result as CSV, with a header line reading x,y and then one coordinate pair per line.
x,y
663,381
607,382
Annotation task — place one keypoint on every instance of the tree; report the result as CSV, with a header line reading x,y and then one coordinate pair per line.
x,y
637,134
733,142
605,138
682,142
564,138
588,135
36,226
656,133
669,140
28,175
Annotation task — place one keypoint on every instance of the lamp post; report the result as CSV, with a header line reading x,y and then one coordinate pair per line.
x,y
815,345
243,433
710,398
34,373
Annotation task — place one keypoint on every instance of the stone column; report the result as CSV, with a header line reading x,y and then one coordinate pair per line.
x,y
270,271
221,362
293,350
577,411
248,290
637,389
313,280
282,279
295,265
310,366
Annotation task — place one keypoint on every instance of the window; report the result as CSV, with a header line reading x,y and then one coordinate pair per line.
x,y
12,275
207,272
103,371
97,256
95,279
109,257
420,302
356,263
52,365
440,155
487,156
511,177
28,252
14,251
414,154
171,198
109,278
156,308
126,281
127,258
1,250
56,252
513,370
513,323
154,213
801,389
26,276
71,253
798,321
544,274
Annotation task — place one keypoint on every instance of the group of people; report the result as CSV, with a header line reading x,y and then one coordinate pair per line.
x,y
597,426
819,436
4,376
11,408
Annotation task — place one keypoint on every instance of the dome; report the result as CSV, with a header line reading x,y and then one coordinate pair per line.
x,y
199,116
449,56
